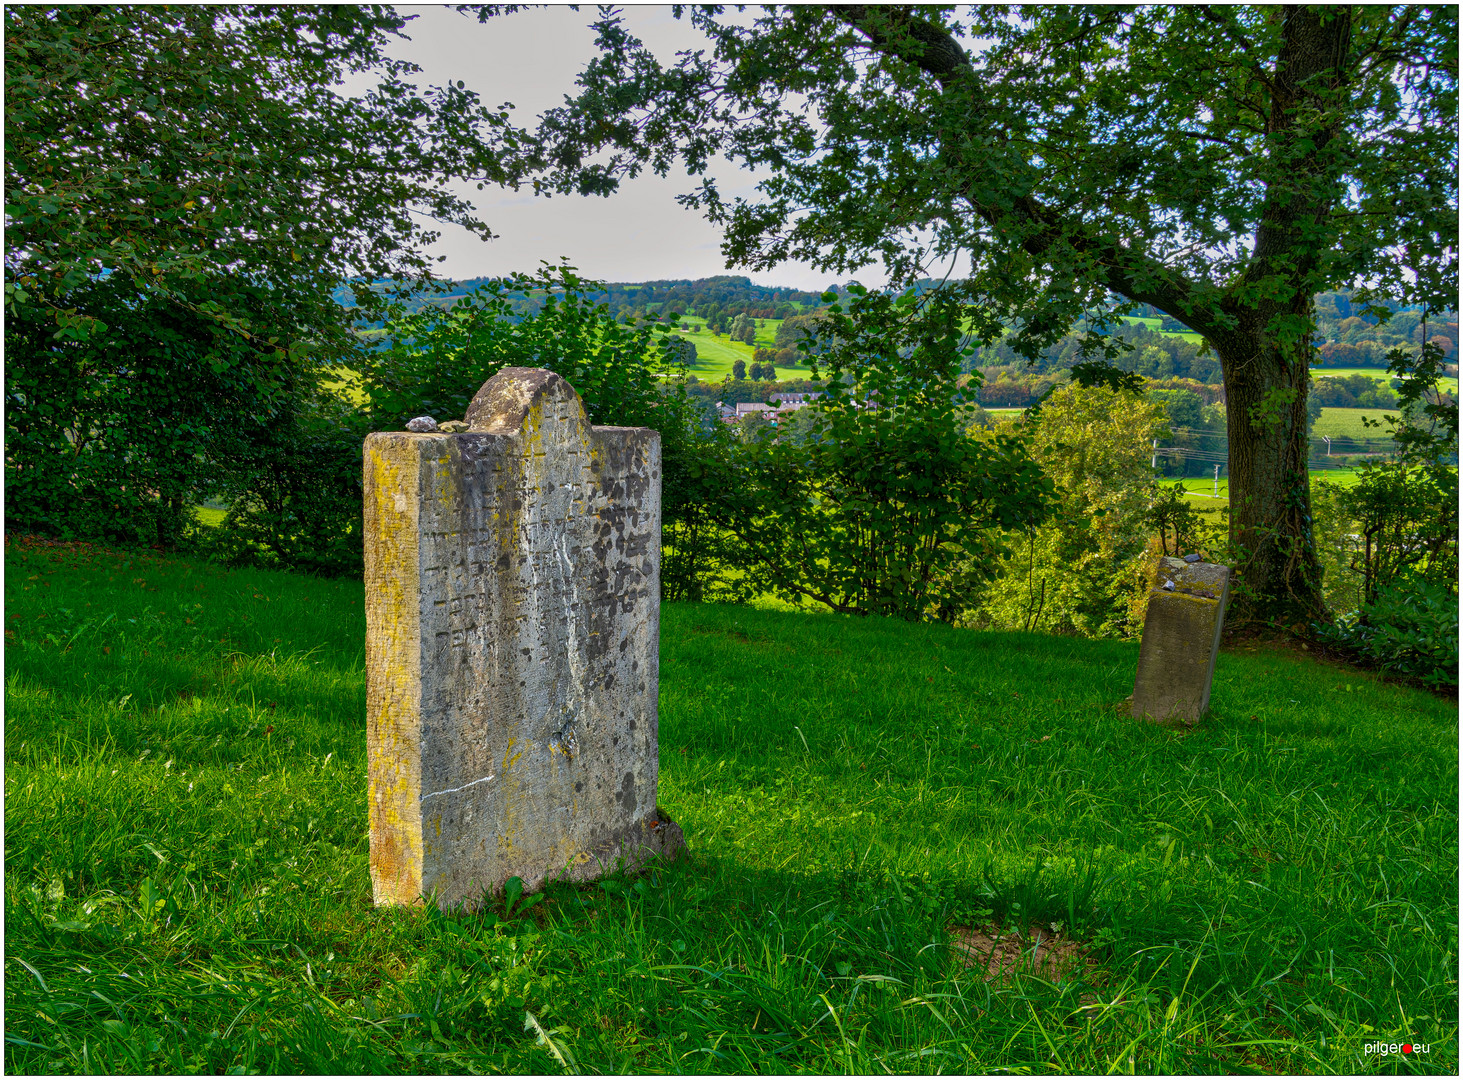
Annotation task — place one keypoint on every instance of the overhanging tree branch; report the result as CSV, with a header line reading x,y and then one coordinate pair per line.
x,y
1124,271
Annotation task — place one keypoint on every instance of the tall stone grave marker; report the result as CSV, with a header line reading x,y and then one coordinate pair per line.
x,y
512,647
1180,641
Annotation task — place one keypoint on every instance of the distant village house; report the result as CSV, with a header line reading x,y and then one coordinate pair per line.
x,y
783,403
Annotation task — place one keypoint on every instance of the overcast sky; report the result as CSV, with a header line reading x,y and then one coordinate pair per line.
x,y
640,234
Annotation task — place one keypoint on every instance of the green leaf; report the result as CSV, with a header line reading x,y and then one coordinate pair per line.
x,y
512,890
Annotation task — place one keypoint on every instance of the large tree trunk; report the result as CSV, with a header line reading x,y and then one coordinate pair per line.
x,y
1266,377
1271,539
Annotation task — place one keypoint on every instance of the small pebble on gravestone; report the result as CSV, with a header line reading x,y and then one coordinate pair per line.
x,y
1192,558
421,424
452,427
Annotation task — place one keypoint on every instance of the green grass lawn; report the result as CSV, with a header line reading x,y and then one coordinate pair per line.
x,y
186,880
716,354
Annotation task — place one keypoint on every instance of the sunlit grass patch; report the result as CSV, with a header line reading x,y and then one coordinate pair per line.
x,y
1379,374
1347,423
347,384
187,887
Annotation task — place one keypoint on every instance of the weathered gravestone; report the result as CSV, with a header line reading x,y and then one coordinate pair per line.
x,y
1180,641
512,647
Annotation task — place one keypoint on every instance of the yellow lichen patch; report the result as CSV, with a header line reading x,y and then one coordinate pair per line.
x,y
512,791
1191,598
394,538
393,677
566,852
507,760
446,464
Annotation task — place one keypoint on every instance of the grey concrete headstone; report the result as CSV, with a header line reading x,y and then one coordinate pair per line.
x,y
1180,641
512,647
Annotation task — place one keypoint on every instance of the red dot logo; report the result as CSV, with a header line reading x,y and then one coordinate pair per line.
x,y
1407,1048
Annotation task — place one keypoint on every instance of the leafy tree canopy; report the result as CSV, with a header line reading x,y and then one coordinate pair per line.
x,y
184,187
1086,151
1220,164
183,145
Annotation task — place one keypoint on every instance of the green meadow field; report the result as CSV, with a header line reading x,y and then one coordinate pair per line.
x,y
1154,324
715,353
1381,375
912,849
1201,489
1348,423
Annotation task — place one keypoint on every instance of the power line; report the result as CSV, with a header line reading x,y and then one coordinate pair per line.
x,y
1212,458
1196,433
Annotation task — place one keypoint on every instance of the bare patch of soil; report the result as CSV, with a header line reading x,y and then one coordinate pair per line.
x,y
1002,952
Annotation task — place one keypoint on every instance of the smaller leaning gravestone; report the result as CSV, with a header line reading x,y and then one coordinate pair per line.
x,y
1180,641
512,646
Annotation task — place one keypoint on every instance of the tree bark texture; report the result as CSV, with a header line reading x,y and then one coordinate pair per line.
x,y
1270,533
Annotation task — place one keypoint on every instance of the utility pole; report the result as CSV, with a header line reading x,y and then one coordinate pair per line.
x,y
1328,444
1154,463
1216,481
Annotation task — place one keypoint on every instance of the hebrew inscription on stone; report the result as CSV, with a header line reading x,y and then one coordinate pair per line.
x,y
512,647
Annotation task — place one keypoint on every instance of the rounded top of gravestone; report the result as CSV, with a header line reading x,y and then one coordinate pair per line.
x,y
506,399
1196,578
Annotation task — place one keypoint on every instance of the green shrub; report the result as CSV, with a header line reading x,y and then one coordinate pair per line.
x,y
117,435
440,357
295,502
884,503
1388,546
1338,548
1410,629
1406,519
1172,513
1077,573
